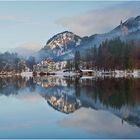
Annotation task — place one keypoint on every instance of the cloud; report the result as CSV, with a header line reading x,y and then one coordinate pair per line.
x,y
31,46
22,125
31,98
99,124
25,20
100,21
27,49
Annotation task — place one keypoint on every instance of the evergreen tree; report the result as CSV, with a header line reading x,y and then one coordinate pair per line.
x,y
77,60
31,62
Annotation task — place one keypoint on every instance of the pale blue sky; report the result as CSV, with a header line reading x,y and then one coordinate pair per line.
x,y
24,23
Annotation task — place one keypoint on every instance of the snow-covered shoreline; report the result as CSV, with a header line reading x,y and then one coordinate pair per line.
x,y
119,73
114,74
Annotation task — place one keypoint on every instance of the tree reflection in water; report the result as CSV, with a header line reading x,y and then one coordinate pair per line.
x,y
118,96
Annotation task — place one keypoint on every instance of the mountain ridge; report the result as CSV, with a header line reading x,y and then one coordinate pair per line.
x,y
62,46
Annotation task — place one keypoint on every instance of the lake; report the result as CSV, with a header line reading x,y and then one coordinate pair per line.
x,y
66,107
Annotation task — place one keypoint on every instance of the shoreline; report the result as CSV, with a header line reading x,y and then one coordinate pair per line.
x,y
89,74
95,73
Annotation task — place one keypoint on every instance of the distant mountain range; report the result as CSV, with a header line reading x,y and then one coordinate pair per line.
x,y
63,45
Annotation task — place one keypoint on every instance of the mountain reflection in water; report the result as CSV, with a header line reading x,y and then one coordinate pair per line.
x,y
120,97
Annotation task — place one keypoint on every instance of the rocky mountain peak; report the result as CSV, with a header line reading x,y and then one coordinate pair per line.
x,y
63,40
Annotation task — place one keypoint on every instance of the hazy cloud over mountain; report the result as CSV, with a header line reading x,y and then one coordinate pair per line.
x,y
100,21
98,123
27,49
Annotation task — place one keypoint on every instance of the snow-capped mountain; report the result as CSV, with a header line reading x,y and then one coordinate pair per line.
x,y
63,45
128,29
60,45
63,41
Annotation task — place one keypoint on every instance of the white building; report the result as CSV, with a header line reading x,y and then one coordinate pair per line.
x,y
49,66
60,65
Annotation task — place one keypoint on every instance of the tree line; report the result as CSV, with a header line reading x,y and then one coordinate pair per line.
x,y
12,62
110,55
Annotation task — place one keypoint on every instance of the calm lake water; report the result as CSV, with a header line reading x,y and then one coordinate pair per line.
x,y
50,107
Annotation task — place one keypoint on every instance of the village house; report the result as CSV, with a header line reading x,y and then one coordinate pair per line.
x,y
45,66
49,66
60,65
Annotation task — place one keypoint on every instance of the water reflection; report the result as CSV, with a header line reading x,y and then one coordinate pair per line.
x,y
13,85
119,97
58,94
